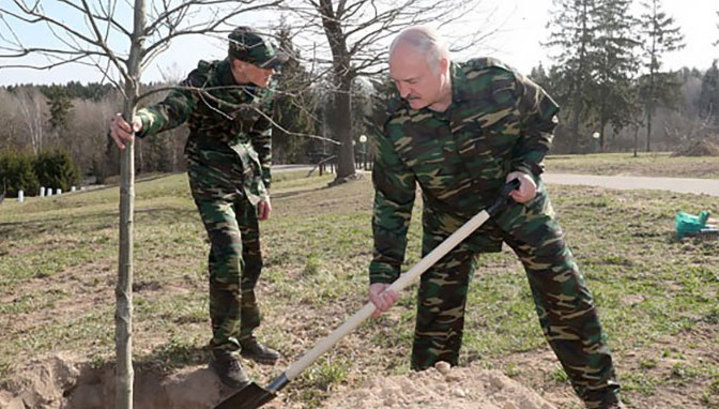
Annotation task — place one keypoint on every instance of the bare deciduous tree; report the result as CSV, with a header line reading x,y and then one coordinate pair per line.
x,y
32,107
357,34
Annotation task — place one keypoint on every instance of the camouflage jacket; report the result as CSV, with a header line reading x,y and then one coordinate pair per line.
x,y
498,122
228,123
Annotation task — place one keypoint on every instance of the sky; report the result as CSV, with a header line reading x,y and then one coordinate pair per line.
x,y
517,41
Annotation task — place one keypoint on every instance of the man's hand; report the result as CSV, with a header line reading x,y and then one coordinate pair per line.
x,y
121,131
527,188
264,208
381,299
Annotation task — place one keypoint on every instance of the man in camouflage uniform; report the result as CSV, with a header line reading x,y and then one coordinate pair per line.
x,y
227,105
460,131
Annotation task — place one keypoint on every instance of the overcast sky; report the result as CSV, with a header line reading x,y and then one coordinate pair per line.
x,y
517,42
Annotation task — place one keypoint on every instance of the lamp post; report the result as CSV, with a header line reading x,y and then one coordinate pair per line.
x,y
363,141
597,146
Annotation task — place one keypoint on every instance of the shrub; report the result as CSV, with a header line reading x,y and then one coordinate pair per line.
x,y
16,171
56,170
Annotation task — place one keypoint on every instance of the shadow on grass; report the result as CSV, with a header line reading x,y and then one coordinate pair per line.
x,y
166,358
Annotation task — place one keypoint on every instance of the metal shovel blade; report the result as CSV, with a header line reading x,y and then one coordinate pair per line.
x,y
251,396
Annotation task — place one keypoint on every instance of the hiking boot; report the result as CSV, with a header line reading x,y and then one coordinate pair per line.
x,y
230,372
252,349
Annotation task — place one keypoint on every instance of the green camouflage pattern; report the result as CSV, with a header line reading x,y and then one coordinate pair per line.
x,y
235,263
498,122
229,125
228,163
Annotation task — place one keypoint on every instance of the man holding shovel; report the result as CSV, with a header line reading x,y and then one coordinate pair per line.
x,y
461,130
227,105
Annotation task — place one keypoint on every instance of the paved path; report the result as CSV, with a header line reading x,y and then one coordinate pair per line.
x,y
680,185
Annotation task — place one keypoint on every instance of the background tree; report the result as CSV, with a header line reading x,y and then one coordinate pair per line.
x,y
610,99
660,36
575,29
709,95
294,107
60,105
358,34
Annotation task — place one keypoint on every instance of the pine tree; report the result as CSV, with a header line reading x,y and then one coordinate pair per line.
x,y
294,107
611,100
709,96
575,29
661,35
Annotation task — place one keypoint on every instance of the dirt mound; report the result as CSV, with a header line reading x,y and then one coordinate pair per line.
x,y
58,383
441,388
40,384
703,147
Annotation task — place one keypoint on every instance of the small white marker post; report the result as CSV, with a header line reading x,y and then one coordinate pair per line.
x,y
20,196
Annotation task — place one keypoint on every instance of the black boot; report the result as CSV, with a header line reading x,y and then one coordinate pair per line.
x,y
252,349
230,371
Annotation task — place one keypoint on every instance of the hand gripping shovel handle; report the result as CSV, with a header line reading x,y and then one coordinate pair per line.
x,y
402,282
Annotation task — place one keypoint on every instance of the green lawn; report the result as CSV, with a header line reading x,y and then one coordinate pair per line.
x,y
660,164
657,295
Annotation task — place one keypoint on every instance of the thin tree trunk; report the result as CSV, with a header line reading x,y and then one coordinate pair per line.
x,y
649,130
123,292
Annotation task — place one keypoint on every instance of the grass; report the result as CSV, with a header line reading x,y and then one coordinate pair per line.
x,y
657,295
653,164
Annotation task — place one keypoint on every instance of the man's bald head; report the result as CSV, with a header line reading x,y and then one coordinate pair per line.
x,y
425,41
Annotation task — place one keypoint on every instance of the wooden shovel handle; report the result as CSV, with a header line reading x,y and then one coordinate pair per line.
x,y
402,282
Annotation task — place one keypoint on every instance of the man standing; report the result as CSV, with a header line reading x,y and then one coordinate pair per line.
x,y
461,130
227,105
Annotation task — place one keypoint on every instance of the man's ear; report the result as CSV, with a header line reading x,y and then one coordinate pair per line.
x,y
443,65
238,65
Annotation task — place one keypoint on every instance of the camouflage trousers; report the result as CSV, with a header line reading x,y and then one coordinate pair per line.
x,y
563,303
235,263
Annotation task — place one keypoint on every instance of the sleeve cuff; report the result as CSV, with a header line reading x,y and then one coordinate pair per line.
x,y
528,168
382,273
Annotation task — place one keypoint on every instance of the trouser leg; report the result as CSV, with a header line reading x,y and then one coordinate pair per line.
x,y
566,310
252,257
225,267
441,301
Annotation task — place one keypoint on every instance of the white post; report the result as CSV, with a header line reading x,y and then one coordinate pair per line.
x,y
48,192
72,188
42,191
58,191
20,196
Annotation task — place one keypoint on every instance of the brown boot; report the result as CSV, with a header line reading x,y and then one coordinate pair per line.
x,y
252,349
230,371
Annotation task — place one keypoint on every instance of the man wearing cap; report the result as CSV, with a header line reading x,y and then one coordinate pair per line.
x,y
227,105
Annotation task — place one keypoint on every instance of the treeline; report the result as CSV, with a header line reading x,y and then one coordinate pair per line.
x,y
607,73
609,77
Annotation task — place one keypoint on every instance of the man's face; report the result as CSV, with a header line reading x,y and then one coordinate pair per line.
x,y
415,80
254,74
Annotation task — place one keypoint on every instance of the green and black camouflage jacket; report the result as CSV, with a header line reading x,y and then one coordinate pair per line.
x,y
498,122
228,123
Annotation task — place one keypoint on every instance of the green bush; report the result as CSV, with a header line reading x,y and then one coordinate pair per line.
x,y
16,171
56,170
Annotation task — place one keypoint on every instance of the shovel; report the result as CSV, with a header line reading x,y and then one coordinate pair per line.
x,y
253,396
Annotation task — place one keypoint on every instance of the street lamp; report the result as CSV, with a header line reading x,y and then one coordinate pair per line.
x,y
597,146
363,141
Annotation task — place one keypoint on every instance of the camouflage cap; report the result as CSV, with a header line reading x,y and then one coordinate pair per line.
x,y
248,45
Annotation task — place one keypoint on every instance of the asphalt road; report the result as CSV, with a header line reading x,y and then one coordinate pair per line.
x,y
679,185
